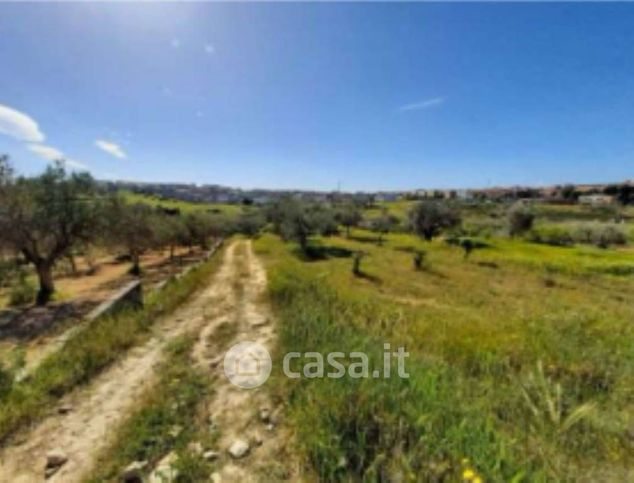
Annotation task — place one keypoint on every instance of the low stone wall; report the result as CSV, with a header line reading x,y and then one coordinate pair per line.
x,y
130,296
216,246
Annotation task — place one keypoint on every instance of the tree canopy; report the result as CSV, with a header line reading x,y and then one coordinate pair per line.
x,y
43,217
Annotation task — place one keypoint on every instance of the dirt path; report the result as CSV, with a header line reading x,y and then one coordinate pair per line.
x,y
235,414
105,402
246,415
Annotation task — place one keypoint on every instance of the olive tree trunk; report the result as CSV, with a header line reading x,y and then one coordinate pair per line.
x,y
47,287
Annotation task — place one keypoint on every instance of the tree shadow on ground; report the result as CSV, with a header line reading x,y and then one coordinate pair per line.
x,y
27,323
369,277
406,249
486,264
425,268
315,253
364,239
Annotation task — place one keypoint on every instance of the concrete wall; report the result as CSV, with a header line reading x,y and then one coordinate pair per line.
x,y
130,296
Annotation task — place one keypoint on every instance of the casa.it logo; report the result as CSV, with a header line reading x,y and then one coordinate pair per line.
x,y
247,364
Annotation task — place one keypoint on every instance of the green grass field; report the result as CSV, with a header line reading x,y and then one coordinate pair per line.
x,y
184,206
522,359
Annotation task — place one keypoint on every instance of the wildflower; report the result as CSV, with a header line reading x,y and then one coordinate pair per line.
x,y
465,461
468,474
477,479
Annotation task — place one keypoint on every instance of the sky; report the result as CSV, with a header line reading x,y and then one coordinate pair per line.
x,y
320,96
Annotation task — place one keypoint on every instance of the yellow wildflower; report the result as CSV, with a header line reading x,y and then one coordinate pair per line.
x,y
468,474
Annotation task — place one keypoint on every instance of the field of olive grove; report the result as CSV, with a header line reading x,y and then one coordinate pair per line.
x,y
515,315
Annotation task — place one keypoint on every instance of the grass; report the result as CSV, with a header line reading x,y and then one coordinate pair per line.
x,y
93,349
184,206
166,419
522,359
400,208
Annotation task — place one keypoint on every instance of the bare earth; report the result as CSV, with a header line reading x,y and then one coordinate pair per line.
x,y
233,297
39,331
235,411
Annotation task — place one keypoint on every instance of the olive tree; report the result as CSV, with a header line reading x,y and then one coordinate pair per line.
x,y
296,225
429,218
133,227
521,219
169,231
383,224
44,217
349,216
203,226
249,223
322,219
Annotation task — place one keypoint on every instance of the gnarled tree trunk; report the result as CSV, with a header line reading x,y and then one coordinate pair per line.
x,y
136,264
47,287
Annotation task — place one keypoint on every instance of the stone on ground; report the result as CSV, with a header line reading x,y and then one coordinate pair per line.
x,y
211,455
265,415
164,471
55,458
239,449
133,473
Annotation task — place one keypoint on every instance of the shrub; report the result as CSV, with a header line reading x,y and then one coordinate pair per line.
x,y
552,235
521,219
22,292
609,235
599,234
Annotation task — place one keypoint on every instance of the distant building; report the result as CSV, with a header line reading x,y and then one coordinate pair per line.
x,y
596,200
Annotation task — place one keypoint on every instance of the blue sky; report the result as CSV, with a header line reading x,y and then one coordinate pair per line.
x,y
371,96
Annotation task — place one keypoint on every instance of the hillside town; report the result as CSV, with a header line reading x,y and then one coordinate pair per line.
x,y
588,194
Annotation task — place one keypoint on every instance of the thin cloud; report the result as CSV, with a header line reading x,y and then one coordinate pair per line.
x,y
417,106
111,148
175,43
210,49
47,152
53,154
73,163
19,125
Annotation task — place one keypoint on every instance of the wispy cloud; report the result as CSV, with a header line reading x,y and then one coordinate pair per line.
x,y
417,106
175,43
46,152
19,125
210,49
23,127
53,154
73,163
111,148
